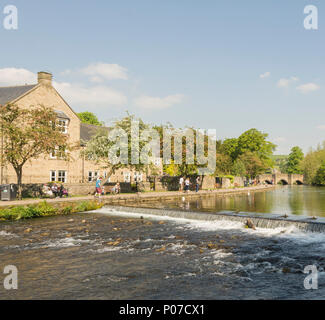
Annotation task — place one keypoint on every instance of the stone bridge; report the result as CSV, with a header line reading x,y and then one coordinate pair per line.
x,y
281,178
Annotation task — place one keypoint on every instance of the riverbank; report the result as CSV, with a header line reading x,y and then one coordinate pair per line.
x,y
44,209
26,209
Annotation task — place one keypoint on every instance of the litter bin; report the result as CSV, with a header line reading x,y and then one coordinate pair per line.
x,y
8,192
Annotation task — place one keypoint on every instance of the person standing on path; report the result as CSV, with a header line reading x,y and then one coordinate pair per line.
x,y
197,183
181,184
98,187
187,185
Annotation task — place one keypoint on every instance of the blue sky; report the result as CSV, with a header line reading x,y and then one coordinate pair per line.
x,y
229,65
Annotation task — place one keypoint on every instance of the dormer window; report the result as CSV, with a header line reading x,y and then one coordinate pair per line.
x,y
63,125
62,121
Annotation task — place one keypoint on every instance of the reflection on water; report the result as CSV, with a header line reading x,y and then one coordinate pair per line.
x,y
296,200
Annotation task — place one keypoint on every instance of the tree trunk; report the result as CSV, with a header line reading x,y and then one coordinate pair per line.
x,y
110,172
19,173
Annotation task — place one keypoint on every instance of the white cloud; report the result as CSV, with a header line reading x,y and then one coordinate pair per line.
x,y
265,75
16,76
90,97
284,83
103,71
308,87
148,102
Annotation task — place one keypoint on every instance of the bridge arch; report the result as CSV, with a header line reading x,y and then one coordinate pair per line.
x,y
283,182
299,182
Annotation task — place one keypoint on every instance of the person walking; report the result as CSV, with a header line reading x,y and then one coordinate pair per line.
x,y
98,187
187,185
197,183
181,184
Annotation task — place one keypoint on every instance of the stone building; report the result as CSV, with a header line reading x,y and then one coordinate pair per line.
x,y
51,168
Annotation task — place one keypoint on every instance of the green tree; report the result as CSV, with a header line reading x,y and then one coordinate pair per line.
x,y
253,164
89,118
294,161
187,143
98,148
238,168
27,134
255,141
320,175
230,148
311,163
223,164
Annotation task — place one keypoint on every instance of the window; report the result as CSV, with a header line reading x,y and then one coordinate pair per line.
x,y
92,175
137,176
127,177
62,176
52,175
58,153
63,125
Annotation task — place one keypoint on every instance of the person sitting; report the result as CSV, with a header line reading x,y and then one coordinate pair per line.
x,y
46,191
116,189
55,190
63,192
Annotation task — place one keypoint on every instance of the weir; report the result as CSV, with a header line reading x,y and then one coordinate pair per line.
x,y
272,221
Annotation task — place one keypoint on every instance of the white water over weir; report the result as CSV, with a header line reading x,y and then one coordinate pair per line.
x,y
260,220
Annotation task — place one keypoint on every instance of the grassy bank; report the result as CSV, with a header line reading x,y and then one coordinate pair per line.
x,y
44,209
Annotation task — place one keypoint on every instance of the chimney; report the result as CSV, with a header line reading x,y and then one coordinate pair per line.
x,y
45,78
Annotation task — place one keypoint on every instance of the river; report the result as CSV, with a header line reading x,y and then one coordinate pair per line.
x,y
290,200
107,255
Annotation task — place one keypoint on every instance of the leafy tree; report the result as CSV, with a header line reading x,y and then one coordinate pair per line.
x,y
223,164
253,164
320,175
29,133
255,141
251,145
187,143
294,161
230,148
238,168
98,148
89,118
172,169
311,163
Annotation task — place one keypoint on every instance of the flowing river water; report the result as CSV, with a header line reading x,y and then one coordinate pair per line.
x,y
121,255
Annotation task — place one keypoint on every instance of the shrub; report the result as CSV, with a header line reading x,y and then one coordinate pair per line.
x,y
44,209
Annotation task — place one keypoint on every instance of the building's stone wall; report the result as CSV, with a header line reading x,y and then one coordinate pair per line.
x,y
77,169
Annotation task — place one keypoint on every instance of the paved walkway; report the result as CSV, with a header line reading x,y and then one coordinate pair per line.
x,y
146,196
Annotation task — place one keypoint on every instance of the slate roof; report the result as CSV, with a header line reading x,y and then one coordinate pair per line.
x,y
61,115
9,94
88,130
